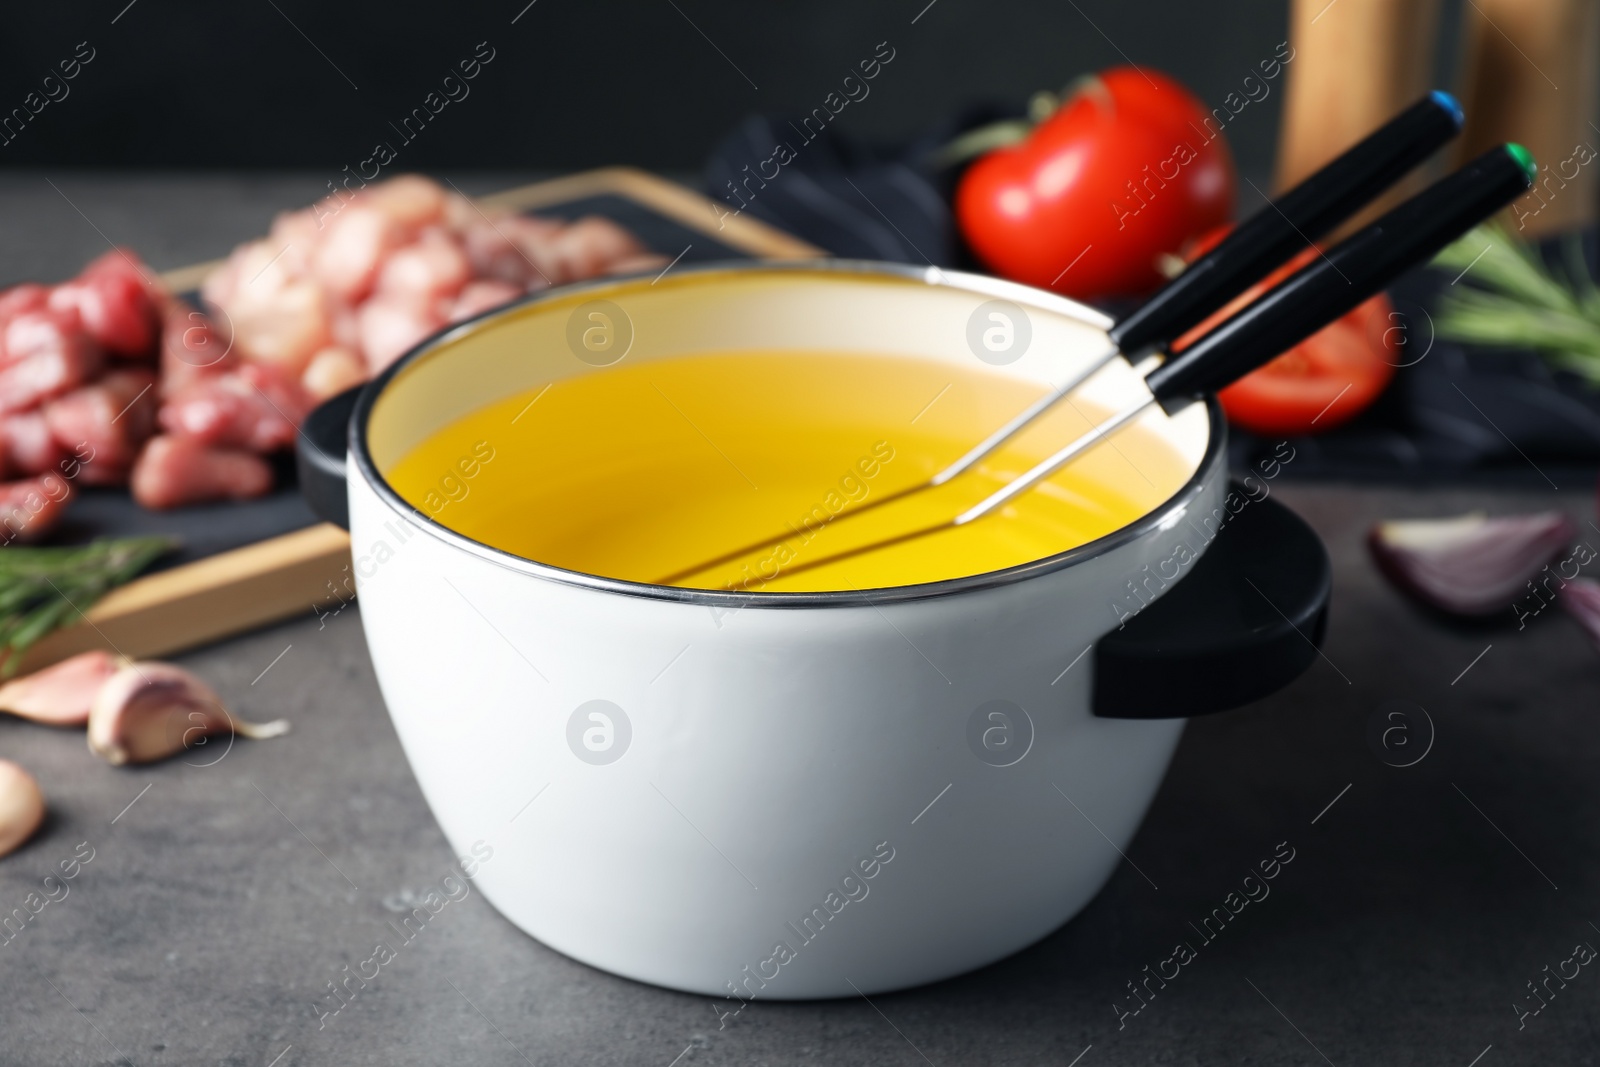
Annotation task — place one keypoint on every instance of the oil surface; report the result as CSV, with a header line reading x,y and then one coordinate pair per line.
x,y
643,471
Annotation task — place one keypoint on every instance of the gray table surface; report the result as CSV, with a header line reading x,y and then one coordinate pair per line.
x,y
222,898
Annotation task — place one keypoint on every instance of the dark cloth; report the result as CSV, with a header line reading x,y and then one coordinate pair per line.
x,y
856,199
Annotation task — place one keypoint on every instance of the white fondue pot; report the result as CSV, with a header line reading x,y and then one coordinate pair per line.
x,y
791,795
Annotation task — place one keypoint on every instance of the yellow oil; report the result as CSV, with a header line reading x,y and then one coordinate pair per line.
x,y
643,471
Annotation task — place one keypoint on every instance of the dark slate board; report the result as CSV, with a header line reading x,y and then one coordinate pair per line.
x,y
209,529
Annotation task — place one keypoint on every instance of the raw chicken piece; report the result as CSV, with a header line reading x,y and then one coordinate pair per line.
x,y
346,327
30,508
459,212
29,446
60,694
282,326
192,348
173,471
217,290
115,301
374,271
390,325
294,237
478,297
587,247
433,267
512,248
252,407
410,200
640,264
47,354
105,424
354,244
332,371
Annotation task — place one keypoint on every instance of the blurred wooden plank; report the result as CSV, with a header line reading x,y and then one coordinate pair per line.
x,y
683,205
275,579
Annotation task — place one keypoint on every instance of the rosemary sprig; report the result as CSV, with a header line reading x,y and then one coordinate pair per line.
x,y
1510,298
42,589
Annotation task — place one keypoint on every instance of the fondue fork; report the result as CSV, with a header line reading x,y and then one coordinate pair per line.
x,y
1350,273
1276,232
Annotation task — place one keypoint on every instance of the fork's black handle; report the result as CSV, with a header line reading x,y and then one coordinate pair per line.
x,y
1300,216
1349,273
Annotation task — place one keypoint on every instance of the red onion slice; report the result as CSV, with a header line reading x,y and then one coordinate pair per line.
x,y
1581,598
1472,564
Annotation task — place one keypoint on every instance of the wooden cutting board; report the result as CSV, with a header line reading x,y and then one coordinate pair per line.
x,y
298,572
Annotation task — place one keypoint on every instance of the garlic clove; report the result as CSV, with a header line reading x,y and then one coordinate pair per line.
x,y
1581,599
149,711
21,806
1472,564
60,694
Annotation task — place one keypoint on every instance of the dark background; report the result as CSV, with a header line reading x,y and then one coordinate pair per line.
x,y
299,84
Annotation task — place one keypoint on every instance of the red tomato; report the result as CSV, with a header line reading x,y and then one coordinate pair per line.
x,y
1124,172
1325,380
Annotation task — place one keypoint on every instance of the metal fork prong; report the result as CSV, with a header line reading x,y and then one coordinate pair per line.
x,y
1045,468
1026,416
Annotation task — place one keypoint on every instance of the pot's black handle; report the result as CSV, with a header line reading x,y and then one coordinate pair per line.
x,y
1302,215
1244,622
319,457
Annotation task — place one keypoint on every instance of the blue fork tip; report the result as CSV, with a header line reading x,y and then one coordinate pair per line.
x,y
1450,104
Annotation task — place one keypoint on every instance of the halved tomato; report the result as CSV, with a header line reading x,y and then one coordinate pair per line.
x,y
1325,380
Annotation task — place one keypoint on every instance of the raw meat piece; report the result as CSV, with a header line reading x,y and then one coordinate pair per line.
x,y
29,296
459,212
113,297
433,267
376,270
29,446
47,354
587,247
512,248
390,325
30,508
294,236
332,371
173,471
105,424
353,247
192,348
410,200
217,290
60,694
478,297
282,326
640,264
43,329
346,327
252,407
